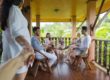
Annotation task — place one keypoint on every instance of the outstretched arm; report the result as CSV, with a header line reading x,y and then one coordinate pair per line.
x,y
8,70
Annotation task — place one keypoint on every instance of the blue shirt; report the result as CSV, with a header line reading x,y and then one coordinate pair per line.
x,y
36,43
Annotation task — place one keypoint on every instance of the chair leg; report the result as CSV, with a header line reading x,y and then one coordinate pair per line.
x,y
49,68
76,62
87,63
36,69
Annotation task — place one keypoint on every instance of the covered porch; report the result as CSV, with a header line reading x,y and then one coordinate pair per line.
x,y
65,71
72,11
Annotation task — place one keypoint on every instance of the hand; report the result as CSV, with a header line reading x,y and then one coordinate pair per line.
x,y
29,48
26,56
30,60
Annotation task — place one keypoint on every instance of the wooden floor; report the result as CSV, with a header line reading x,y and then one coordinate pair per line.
x,y
64,71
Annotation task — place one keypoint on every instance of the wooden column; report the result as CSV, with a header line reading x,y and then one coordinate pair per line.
x,y
73,18
73,27
38,21
91,16
27,13
38,13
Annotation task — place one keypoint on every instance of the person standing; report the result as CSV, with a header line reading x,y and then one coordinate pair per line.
x,y
15,34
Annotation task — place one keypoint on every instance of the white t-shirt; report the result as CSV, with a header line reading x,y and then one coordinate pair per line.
x,y
17,25
85,42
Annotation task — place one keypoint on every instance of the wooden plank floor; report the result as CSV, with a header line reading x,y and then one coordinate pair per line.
x,y
64,71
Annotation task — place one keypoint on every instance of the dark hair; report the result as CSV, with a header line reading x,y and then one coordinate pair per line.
x,y
49,37
84,28
47,34
17,2
35,28
5,11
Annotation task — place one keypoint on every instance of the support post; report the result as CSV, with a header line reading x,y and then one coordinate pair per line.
x,y
27,14
91,16
38,21
74,29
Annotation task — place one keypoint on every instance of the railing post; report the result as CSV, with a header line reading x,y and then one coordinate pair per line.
x,y
69,41
102,54
100,51
105,54
66,41
55,41
96,52
108,69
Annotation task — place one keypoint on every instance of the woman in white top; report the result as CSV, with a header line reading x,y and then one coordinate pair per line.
x,y
15,34
48,40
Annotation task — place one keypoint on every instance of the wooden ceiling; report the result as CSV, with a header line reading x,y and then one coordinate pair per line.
x,y
62,10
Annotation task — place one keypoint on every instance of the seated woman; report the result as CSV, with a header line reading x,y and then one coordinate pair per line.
x,y
70,49
60,46
76,43
39,49
49,46
48,40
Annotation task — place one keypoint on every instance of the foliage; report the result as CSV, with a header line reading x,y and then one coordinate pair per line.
x,y
104,31
64,29
57,29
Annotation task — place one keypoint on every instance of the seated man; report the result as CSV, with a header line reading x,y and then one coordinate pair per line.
x,y
39,49
80,52
82,49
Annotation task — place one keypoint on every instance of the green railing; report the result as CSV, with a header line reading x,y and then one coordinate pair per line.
x,y
102,53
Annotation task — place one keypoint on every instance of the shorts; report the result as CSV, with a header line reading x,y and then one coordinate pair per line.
x,y
39,56
78,51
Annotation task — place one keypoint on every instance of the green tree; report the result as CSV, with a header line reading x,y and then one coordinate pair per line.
x,y
57,29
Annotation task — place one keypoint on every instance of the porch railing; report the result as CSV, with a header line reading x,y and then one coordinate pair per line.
x,y
67,40
102,53
102,50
